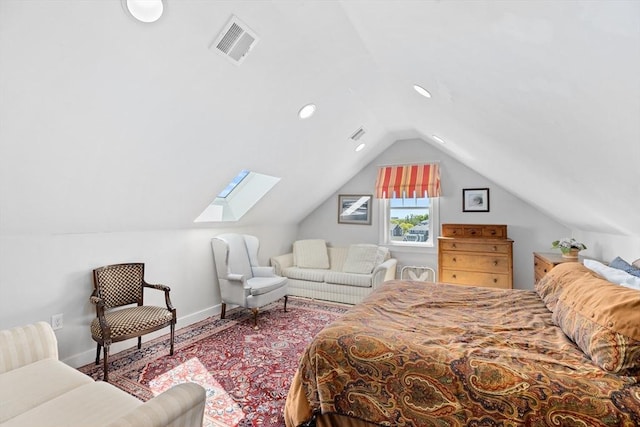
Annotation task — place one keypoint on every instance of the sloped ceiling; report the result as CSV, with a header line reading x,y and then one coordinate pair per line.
x,y
108,124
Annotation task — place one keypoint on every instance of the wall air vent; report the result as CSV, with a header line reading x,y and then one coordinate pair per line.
x,y
235,41
358,134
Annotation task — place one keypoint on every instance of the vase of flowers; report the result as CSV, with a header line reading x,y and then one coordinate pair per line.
x,y
569,247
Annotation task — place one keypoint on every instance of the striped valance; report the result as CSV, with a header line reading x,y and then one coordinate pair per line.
x,y
408,181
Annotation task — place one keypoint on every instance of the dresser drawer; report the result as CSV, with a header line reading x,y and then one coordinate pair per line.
x,y
473,262
494,231
541,267
466,246
474,231
469,278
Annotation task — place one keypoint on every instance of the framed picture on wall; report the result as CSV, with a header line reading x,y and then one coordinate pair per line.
x,y
475,200
354,209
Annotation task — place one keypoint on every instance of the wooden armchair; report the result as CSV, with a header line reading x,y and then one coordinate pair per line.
x,y
120,285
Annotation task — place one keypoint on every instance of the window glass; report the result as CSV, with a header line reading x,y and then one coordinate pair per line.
x,y
409,221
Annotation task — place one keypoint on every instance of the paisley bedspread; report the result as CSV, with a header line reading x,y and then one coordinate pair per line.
x,y
430,354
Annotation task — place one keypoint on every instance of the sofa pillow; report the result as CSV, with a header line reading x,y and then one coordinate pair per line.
x,y
602,319
619,277
636,263
623,265
361,259
311,253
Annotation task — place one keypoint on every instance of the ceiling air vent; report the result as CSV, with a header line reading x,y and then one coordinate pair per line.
x,y
235,41
358,134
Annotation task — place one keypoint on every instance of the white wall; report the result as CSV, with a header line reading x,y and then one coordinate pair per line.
x,y
605,247
531,230
41,275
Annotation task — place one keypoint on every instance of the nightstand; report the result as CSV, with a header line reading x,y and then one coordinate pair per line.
x,y
544,262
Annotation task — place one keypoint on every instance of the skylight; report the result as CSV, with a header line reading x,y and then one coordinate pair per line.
x,y
238,197
233,184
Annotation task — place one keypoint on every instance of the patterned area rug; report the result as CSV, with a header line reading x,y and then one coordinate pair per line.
x,y
246,371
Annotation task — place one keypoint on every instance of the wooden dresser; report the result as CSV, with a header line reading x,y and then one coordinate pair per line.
x,y
475,254
544,262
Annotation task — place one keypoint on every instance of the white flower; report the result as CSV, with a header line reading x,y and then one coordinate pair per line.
x,y
567,243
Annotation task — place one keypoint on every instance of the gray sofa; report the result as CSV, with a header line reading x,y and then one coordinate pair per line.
x,y
340,274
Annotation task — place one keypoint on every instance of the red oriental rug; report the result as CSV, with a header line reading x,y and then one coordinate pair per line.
x,y
246,371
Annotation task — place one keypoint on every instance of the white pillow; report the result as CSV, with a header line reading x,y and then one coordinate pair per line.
x,y
361,259
613,275
311,253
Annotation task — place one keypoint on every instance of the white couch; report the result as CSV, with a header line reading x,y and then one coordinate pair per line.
x,y
340,274
36,389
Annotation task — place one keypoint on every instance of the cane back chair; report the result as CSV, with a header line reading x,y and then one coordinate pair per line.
x,y
119,285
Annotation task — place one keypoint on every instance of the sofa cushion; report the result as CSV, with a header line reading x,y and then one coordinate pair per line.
x,y
361,259
308,274
601,318
31,385
94,404
311,253
351,279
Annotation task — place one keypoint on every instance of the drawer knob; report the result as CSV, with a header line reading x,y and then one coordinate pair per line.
x,y
454,246
495,280
493,232
495,248
454,276
454,259
495,263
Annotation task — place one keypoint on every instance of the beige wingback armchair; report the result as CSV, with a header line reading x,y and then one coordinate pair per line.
x,y
242,280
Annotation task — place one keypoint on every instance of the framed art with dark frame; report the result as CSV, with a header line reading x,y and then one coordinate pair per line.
x,y
475,200
354,209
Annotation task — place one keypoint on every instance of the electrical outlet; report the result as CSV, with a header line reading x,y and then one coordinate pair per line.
x,y
57,321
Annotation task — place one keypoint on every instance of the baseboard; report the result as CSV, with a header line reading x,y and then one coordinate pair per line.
x,y
89,356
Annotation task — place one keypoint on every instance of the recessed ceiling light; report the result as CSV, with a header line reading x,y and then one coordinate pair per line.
x,y
145,10
422,91
360,147
307,111
437,139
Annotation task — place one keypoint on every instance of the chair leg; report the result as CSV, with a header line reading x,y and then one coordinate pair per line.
x,y
105,367
98,353
173,333
255,317
139,343
286,297
223,310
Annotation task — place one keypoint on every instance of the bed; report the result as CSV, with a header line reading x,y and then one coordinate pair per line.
x,y
431,354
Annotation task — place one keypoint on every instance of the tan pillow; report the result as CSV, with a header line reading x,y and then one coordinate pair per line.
x,y
311,253
636,263
361,259
603,319
552,284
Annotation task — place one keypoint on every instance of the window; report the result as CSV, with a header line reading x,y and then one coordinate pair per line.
x,y
409,222
238,197
408,197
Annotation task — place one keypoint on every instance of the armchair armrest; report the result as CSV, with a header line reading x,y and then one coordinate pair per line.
x,y
385,271
159,287
181,405
281,262
27,344
166,289
235,277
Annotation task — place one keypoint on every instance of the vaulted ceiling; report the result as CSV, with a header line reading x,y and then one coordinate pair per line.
x,y
110,124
